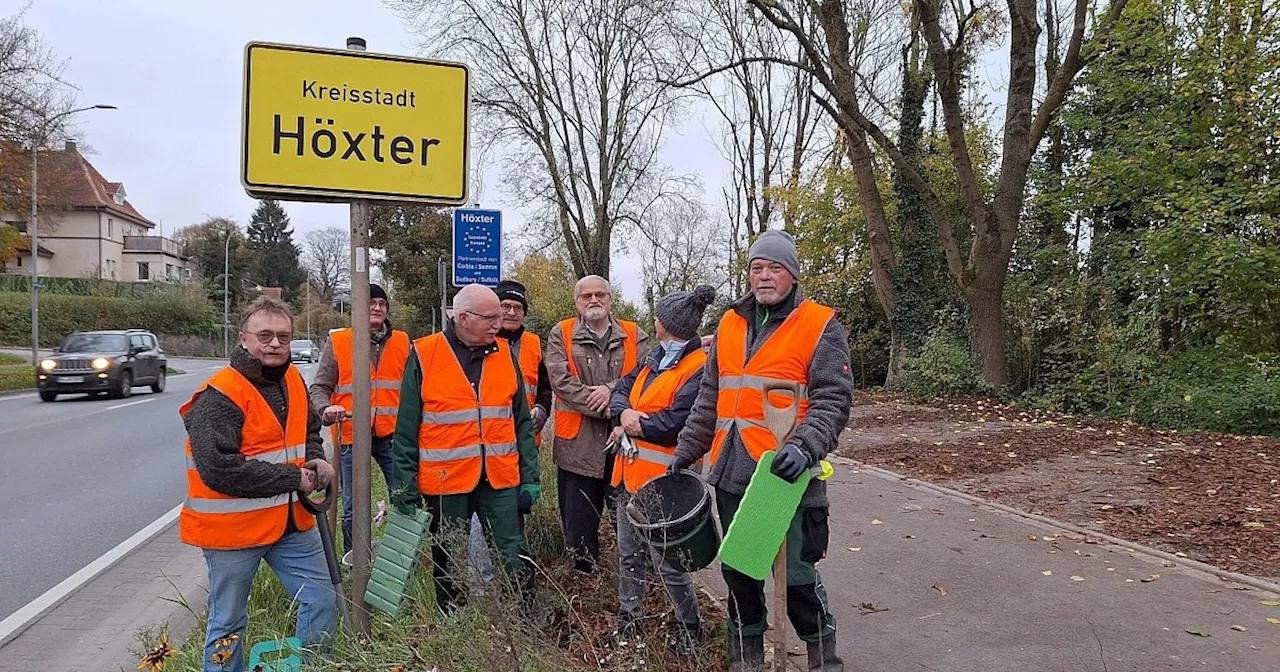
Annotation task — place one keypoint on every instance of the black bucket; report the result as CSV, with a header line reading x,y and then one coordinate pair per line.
x,y
673,514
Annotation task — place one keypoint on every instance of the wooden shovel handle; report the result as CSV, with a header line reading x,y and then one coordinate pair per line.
x,y
781,420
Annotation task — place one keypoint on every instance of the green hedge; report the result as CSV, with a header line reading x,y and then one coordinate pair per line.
x,y
168,312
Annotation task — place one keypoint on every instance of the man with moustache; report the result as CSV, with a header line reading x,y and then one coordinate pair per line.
x,y
774,334
586,357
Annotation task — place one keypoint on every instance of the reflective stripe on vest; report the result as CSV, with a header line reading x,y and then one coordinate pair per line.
x,y
211,519
651,460
784,357
569,421
384,384
458,429
529,351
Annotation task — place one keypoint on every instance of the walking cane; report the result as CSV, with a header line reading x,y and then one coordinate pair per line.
x,y
781,421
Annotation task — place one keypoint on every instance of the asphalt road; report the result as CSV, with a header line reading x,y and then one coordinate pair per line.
x,y
80,475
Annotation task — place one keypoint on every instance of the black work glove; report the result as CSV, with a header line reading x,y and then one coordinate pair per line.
x,y
677,464
790,463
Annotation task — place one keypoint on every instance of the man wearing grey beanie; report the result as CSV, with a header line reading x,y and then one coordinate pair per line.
x,y
774,334
651,405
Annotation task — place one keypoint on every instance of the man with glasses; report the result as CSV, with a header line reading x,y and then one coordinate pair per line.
x,y
464,439
333,393
586,357
528,351
253,446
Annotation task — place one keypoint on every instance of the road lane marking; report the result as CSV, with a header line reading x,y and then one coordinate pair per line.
x,y
21,619
18,396
131,403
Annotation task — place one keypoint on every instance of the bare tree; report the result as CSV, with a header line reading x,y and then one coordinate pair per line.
x,y
993,206
571,92
681,247
326,256
32,88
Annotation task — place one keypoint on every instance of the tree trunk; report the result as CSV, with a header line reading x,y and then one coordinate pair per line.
x,y
986,306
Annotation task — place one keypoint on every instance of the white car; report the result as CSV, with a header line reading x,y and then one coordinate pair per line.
x,y
303,350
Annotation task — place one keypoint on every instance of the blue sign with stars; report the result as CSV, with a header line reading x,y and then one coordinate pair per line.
x,y
477,247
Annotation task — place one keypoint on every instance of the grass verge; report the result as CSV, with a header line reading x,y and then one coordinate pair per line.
x,y
16,377
574,628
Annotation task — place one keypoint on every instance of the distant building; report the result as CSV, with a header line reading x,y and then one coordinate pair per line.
x,y
91,230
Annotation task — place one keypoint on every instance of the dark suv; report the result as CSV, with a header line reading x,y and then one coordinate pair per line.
x,y
98,362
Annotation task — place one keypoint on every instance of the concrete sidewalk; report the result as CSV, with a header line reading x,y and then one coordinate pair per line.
x,y
96,627
1056,604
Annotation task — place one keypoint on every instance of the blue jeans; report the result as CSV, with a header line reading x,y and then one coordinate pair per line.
x,y
382,454
298,561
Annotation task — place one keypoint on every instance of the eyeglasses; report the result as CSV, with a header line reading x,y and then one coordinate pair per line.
x,y
379,303
486,318
515,309
265,337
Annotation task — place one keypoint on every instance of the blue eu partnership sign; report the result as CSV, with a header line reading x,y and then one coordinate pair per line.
x,y
477,247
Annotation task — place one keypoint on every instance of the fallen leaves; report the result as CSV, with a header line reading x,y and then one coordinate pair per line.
x,y
1047,572
1271,603
940,588
870,608
1254,524
1153,577
877,521
1239,628
1199,633
1077,577
1272,620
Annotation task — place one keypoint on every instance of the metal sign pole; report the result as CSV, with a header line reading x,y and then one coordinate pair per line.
x,y
361,422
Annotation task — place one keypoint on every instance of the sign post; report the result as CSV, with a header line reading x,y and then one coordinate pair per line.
x,y
477,247
346,126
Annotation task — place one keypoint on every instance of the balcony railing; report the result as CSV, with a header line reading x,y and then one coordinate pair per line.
x,y
153,244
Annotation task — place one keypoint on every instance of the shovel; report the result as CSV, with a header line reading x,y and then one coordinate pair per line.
x,y
318,509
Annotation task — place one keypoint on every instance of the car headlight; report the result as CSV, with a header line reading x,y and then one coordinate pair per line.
x,y
101,363
48,364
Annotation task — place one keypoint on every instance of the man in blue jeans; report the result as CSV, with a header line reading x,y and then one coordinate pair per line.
x,y
253,448
332,395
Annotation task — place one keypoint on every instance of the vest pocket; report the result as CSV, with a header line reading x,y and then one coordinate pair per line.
x,y
814,534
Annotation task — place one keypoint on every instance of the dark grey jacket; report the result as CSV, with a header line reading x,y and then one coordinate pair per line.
x,y
213,422
830,386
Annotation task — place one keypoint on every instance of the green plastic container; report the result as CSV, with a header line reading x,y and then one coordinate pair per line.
x,y
673,515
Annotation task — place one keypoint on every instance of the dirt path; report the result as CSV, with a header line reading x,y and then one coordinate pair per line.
x,y
1213,497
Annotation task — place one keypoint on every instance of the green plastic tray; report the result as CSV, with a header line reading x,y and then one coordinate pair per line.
x,y
752,541
397,555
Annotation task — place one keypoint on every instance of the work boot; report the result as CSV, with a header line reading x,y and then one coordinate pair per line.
x,y
823,656
628,629
746,654
683,639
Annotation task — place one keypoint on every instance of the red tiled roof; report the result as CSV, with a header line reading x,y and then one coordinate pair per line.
x,y
24,245
68,179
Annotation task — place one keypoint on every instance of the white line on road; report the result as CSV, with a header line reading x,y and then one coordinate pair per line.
x,y
18,396
17,622
131,403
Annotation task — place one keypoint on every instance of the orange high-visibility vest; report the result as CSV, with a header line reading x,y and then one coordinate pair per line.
x,y
460,428
530,356
385,379
784,357
651,460
211,519
569,421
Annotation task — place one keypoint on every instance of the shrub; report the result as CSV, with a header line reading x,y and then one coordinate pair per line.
x,y
167,312
943,368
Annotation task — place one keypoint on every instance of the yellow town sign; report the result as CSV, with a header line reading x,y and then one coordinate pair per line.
x,y
336,125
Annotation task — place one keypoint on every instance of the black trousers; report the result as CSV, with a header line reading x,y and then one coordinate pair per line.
x,y
582,500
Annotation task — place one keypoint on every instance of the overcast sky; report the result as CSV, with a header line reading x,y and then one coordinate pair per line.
x,y
174,68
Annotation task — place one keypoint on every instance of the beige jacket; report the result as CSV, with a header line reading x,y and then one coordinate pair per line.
x,y
583,455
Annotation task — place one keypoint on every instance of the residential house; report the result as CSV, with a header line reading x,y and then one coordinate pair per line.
x,y
91,229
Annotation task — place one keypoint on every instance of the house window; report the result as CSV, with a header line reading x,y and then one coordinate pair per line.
x,y
20,227
170,272
144,270
111,227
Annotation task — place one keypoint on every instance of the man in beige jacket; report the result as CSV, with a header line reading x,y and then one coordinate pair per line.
x,y
603,349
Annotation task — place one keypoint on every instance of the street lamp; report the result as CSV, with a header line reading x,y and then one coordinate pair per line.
x,y
226,295
34,228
